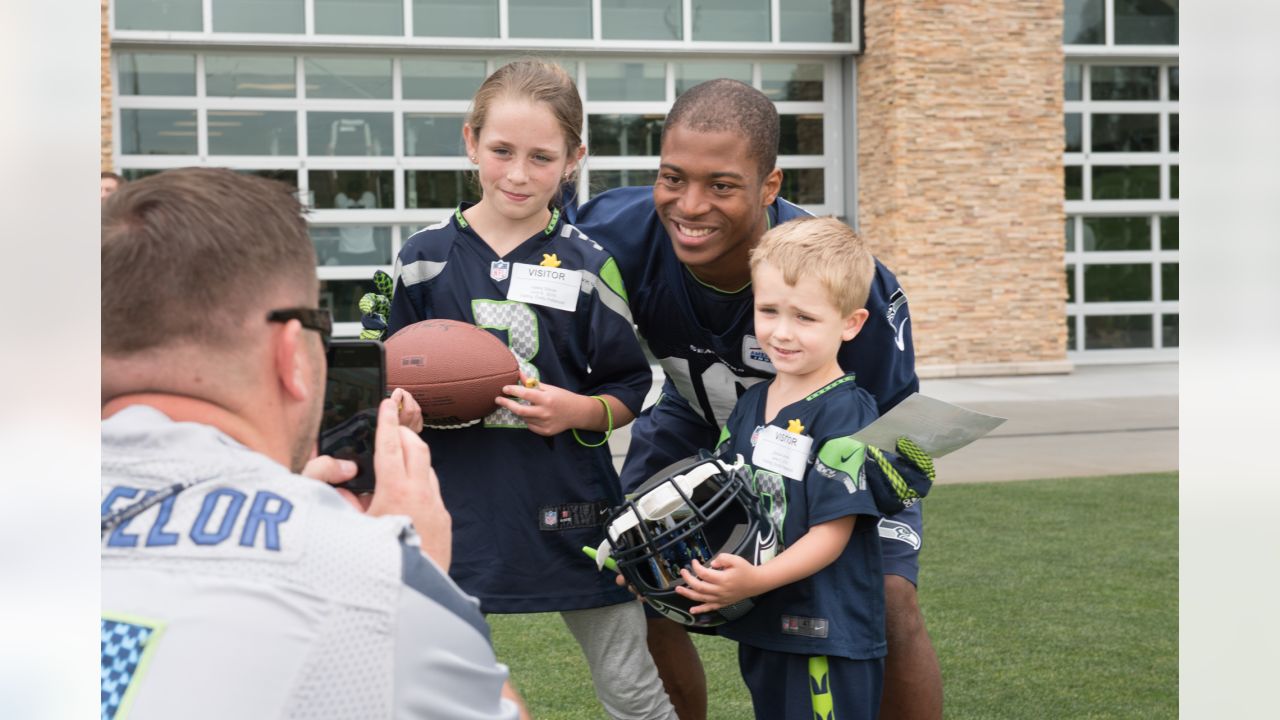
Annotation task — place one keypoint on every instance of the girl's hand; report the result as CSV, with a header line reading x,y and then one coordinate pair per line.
x,y
547,409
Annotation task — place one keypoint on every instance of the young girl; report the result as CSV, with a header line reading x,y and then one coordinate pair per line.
x,y
527,486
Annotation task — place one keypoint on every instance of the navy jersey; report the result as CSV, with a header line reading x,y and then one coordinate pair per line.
x,y
705,338
524,505
840,609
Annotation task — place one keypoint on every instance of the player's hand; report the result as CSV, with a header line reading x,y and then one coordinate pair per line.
x,y
335,472
730,579
407,485
375,307
898,481
907,448
546,409
410,410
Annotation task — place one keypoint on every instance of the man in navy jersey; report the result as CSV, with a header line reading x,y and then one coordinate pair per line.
x,y
682,248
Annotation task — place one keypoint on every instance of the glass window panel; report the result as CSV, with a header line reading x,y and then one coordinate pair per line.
x,y
131,174
1169,232
1115,132
804,186
1084,22
1173,181
800,135
791,81
348,133
689,74
155,74
1074,182
815,21
253,132
359,78
1168,281
438,188
1070,232
1146,22
288,177
1074,133
1169,330
641,20
157,132
342,298
1130,282
1071,283
455,18
407,231
1173,132
352,189
626,81
258,16
1173,83
352,244
158,15
432,134
1102,234
1126,182
738,20
359,17
1114,332
249,76
1072,82
601,180
1123,82
441,79
1071,333
549,18
625,134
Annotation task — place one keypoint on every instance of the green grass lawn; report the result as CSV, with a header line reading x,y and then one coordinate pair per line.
x,y
1045,599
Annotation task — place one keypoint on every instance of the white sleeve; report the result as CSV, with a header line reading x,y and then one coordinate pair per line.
x,y
444,662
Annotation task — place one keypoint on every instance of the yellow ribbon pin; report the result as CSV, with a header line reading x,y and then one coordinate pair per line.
x,y
794,426
550,260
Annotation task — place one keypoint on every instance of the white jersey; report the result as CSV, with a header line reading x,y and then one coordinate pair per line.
x,y
256,593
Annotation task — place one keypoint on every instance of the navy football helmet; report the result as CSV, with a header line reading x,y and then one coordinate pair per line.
x,y
696,508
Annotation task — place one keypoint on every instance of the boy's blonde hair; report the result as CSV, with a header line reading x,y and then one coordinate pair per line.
x,y
823,248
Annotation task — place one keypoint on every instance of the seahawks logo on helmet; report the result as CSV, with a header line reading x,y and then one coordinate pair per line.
x,y
695,509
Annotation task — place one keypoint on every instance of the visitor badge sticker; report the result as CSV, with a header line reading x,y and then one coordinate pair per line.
x,y
548,286
785,453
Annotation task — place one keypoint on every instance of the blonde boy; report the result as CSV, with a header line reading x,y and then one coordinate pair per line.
x,y
814,643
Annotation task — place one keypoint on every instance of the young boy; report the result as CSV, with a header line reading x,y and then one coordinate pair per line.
x,y
813,646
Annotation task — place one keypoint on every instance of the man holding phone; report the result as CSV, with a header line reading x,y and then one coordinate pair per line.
x,y
231,585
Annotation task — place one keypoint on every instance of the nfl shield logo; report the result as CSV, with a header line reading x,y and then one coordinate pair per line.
x,y
499,269
549,518
755,435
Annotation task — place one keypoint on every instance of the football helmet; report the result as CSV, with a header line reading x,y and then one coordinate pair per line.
x,y
696,508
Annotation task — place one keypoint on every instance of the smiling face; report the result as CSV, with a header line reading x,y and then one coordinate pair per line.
x,y
522,157
712,201
799,325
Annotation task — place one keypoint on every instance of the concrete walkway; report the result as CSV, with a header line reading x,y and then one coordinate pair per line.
x,y
1097,420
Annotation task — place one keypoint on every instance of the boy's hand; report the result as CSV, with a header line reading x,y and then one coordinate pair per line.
x,y
730,579
546,409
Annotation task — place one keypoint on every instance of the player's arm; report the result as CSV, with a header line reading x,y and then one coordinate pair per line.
x,y
731,578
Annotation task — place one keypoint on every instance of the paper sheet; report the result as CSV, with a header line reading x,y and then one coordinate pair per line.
x,y
938,427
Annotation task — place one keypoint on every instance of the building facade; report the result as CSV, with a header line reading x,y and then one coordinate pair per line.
x,y
935,128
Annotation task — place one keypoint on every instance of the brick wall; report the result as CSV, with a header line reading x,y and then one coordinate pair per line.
x,y
960,177
106,91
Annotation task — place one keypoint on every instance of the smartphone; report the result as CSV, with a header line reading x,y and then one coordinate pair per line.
x,y
356,384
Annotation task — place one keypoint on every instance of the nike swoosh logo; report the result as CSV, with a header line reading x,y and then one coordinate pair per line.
x,y
898,340
845,459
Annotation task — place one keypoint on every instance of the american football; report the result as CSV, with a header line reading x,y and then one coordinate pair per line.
x,y
453,369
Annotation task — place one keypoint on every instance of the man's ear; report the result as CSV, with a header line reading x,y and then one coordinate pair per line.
x,y
770,188
853,324
291,361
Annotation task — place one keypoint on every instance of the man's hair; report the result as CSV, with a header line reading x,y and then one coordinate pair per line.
x,y
821,248
188,255
724,105
107,174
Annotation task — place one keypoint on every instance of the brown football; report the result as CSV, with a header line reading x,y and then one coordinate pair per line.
x,y
453,369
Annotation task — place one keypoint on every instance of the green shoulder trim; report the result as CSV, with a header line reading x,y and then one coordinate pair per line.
x,y
831,386
612,277
722,291
724,436
844,454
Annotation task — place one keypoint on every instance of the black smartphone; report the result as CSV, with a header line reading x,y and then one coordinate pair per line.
x,y
356,384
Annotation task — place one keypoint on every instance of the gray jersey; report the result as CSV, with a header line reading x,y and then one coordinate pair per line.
x,y
254,592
